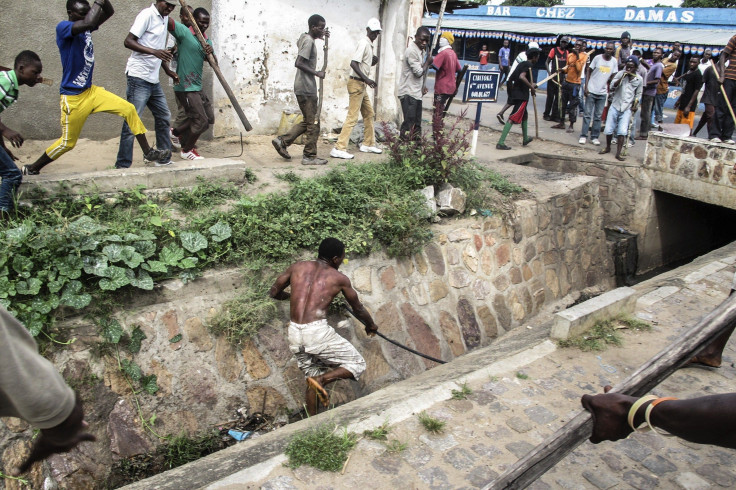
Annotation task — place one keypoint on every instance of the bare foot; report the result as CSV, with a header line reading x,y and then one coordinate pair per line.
x,y
324,398
705,361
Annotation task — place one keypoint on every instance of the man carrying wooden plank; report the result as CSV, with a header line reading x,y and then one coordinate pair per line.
x,y
188,91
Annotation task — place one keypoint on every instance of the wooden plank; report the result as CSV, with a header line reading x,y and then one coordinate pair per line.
x,y
579,429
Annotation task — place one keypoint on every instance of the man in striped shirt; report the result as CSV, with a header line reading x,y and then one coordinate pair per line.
x,y
26,71
724,123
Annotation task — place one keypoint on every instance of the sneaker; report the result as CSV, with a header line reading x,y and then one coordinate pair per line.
x,y
370,149
583,140
175,143
27,170
155,155
335,153
500,118
280,147
716,140
596,141
499,146
163,163
730,142
527,141
316,160
191,155
629,145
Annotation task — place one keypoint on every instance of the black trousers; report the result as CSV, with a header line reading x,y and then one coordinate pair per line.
x,y
412,109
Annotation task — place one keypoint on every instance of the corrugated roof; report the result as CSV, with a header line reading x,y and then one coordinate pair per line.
x,y
707,37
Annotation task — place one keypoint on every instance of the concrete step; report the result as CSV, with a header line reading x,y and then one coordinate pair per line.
x,y
178,174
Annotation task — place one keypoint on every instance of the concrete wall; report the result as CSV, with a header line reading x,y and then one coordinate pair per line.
x,y
33,26
479,279
257,51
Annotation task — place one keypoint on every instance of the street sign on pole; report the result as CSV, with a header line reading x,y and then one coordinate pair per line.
x,y
480,87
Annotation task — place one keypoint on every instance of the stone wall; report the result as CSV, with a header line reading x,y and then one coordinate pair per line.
x,y
476,281
693,168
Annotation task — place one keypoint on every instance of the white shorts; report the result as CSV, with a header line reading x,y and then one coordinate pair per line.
x,y
318,348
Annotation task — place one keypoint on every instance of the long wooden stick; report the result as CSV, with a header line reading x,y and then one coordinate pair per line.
x,y
435,39
321,80
215,67
534,103
458,81
728,103
555,74
569,436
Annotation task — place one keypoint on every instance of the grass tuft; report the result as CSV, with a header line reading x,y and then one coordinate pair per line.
x,y
240,318
521,375
462,393
396,446
604,333
321,448
380,433
433,425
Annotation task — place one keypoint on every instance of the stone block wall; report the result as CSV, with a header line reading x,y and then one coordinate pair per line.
x,y
476,281
693,168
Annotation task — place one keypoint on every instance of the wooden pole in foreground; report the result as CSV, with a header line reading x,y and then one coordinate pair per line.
x,y
215,67
534,102
435,40
579,429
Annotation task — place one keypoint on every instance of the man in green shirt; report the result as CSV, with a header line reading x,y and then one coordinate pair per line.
x,y
198,108
26,71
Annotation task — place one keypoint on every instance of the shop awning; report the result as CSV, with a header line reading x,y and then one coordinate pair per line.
x,y
668,34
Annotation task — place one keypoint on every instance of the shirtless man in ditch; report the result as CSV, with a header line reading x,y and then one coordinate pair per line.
x,y
322,354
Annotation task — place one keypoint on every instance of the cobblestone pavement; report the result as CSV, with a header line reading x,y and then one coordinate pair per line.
x,y
507,416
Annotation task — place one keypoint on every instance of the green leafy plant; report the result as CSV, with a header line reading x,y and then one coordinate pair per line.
x,y
462,393
433,425
206,193
321,448
521,375
184,449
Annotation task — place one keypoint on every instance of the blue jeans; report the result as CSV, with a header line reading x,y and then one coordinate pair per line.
x,y
144,94
659,101
11,180
594,105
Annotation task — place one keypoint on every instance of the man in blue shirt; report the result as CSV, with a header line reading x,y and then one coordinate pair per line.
x,y
503,61
26,71
79,98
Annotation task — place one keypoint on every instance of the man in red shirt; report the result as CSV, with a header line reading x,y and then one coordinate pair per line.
x,y
556,60
447,65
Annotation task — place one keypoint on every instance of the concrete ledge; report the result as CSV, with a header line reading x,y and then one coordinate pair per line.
x,y
655,296
579,318
249,461
178,174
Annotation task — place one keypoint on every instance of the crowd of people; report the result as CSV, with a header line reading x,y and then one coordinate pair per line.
x,y
617,84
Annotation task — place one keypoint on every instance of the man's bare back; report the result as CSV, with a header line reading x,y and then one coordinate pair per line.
x,y
314,284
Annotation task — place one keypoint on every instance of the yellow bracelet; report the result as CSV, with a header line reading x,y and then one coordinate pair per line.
x,y
649,411
635,407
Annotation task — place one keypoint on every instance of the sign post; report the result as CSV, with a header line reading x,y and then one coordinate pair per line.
x,y
480,87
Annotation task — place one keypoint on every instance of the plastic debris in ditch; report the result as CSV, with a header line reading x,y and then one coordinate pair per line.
x,y
238,435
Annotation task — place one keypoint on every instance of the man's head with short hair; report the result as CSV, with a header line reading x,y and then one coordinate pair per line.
x,y
27,68
184,17
693,62
165,7
317,25
608,51
77,9
422,36
625,39
505,43
532,54
657,54
707,54
331,249
202,18
314,20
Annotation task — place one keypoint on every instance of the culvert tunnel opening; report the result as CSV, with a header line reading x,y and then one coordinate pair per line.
x,y
682,230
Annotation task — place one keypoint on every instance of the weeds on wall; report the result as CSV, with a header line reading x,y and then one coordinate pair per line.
x,y
604,333
324,447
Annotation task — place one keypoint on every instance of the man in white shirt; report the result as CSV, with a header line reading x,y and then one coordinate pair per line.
x,y
597,76
360,70
147,40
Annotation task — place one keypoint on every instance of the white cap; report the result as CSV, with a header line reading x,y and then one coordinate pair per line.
x,y
374,24
533,45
